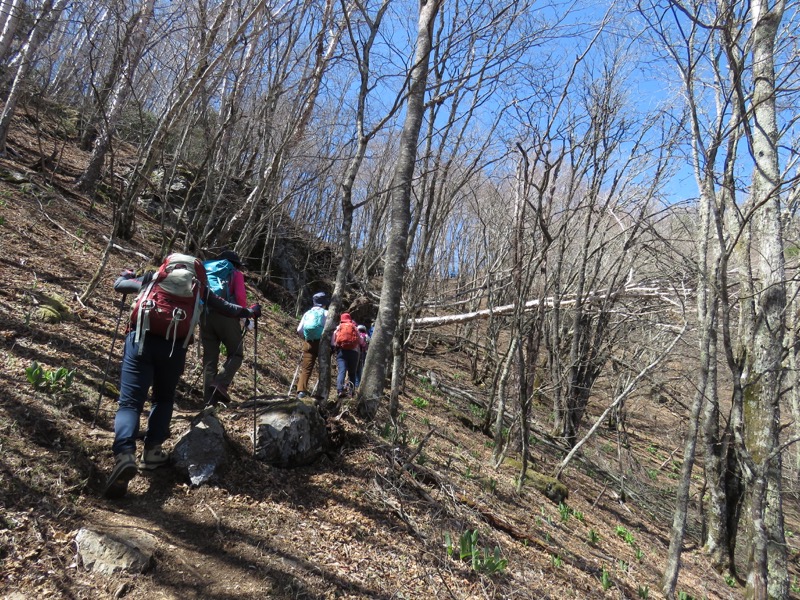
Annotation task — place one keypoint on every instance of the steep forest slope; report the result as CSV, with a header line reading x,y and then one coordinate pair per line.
x,y
370,520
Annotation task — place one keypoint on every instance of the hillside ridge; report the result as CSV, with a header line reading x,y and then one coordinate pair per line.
x,y
370,520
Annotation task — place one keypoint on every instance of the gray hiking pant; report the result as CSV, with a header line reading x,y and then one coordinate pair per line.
x,y
216,329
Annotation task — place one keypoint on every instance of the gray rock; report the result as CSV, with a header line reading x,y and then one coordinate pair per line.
x,y
111,551
290,434
203,451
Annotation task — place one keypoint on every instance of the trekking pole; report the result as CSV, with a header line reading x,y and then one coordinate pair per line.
x,y
110,354
255,382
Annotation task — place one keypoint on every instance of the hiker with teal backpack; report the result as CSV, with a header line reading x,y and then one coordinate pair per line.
x,y
310,329
226,280
161,326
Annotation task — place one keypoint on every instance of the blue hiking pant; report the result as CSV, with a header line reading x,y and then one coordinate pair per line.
x,y
347,363
154,367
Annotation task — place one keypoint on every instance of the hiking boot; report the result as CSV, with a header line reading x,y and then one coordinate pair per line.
x,y
124,470
153,458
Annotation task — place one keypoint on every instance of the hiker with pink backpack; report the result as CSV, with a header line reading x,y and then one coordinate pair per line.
x,y
162,323
226,280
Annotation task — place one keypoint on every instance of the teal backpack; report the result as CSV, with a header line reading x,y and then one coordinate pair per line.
x,y
219,274
314,323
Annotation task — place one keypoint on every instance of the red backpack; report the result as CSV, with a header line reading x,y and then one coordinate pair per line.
x,y
347,336
169,306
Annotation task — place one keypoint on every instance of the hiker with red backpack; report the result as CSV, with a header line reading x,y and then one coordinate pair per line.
x,y
310,328
346,341
226,280
161,326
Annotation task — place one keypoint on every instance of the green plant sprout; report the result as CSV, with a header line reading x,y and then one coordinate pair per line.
x,y
481,559
605,580
594,537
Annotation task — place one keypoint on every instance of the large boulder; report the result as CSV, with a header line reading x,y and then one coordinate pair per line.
x,y
203,451
290,434
111,551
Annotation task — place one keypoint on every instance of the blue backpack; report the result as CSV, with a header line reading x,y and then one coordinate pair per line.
x,y
219,276
314,323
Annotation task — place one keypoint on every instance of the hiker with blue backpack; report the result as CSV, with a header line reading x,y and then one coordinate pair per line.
x,y
310,329
161,326
226,280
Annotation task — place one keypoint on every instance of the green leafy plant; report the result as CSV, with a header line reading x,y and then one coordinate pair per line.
x,y
652,474
730,580
685,596
638,554
481,559
578,515
35,374
420,402
643,591
281,354
623,566
652,449
49,380
605,580
625,534
795,585
556,560
565,512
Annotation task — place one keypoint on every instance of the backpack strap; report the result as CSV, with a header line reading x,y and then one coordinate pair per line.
x,y
143,317
178,315
195,314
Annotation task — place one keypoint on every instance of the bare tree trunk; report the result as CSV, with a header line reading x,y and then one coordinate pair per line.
x,y
46,20
10,11
119,96
768,575
681,514
348,208
371,389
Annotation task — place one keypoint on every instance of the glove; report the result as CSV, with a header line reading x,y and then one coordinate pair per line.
x,y
255,310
